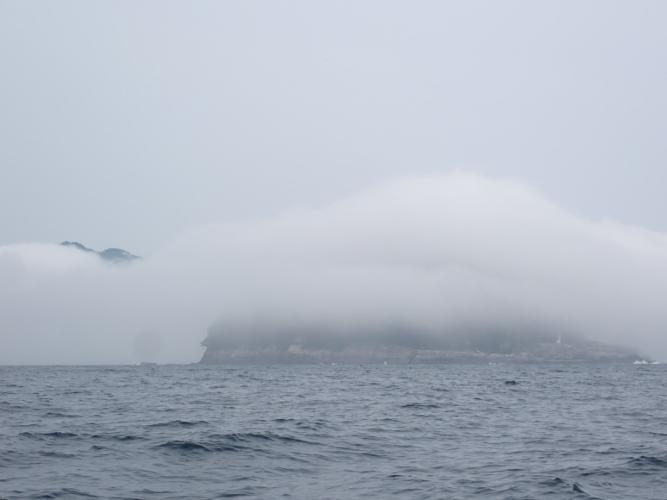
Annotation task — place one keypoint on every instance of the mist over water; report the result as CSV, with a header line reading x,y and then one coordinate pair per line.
x,y
434,253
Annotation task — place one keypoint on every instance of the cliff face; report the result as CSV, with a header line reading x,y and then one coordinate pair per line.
x,y
483,347
399,354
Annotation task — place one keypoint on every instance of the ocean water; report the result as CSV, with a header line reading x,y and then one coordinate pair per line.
x,y
323,431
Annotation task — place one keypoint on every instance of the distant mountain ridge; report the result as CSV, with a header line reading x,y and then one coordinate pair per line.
x,y
116,255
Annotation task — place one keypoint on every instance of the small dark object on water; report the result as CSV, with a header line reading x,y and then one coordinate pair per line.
x,y
511,382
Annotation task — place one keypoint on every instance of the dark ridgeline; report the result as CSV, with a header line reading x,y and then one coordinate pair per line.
x,y
115,255
273,343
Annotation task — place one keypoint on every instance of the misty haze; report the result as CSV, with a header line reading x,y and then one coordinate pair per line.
x,y
436,257
333,249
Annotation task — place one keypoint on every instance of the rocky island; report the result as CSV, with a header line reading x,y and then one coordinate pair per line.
x,y
115,255
233,346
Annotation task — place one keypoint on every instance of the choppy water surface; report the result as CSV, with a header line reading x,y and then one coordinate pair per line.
x,y
452,431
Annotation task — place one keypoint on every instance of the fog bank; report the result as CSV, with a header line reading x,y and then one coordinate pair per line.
x,y
429,252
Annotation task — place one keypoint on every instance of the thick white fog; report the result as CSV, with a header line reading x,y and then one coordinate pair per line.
x,y
424,251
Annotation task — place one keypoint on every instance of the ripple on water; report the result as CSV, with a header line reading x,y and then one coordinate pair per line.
x,y
178,423
455,431
237,441
49,435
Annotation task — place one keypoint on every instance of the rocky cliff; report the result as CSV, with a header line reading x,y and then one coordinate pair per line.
x,y
405,347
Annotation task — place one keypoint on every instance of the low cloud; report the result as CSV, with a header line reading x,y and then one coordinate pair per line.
x,y
433,253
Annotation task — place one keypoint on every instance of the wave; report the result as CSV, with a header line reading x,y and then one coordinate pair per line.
x,y
65,492
45,435
40,436
421,405
57,414
649,461
309,425
179,423
236,441
118,437
558,483
184,446
56,454
259,436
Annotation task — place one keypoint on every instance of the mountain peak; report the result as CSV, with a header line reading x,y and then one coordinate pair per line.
x,y
116,255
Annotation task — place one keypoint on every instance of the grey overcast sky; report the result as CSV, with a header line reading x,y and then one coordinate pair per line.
x,y
124,123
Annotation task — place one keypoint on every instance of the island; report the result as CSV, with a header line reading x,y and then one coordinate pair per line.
x,y
114,255
227,344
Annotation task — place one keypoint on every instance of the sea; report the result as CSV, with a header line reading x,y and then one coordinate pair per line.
x,y
453,431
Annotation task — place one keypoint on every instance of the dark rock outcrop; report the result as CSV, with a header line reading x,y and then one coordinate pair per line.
x,y
116,255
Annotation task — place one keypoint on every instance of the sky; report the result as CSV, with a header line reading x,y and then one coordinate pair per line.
x,y
129,123
333,162
446,254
